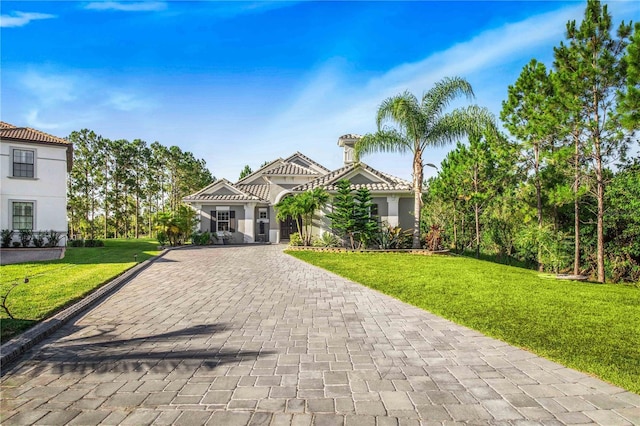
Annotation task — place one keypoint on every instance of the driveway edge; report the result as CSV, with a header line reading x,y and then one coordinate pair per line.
x,y
16,347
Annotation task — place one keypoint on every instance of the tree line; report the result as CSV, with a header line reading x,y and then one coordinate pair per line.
x,y
562,193
121,188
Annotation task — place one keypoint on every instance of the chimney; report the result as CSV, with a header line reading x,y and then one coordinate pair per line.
x,y
347,142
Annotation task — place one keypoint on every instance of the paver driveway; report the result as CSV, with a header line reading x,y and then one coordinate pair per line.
x,y
239,335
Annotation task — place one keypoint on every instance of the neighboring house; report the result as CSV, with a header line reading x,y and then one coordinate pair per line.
x,y
34,168
246,208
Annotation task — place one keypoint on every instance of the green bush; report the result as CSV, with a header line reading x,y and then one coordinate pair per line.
x,y
295,239
25,237
93,243
39,239
201,238
162,238
6,235
327,240
53,238
76,243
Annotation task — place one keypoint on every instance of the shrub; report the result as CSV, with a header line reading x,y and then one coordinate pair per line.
x,y
390,237
6,235
433,238
25,237
162,238
76,243
201,238
295,239
16,244
93,243
327,240
53,238
39,239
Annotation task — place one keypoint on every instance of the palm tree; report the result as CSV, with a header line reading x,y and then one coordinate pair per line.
x,y
302,207
420,125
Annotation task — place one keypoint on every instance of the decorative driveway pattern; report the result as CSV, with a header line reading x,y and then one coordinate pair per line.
x,y
249,335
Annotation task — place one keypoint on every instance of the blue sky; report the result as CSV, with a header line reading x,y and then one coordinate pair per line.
x,y
244,82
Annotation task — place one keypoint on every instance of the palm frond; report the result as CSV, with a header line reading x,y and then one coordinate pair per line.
x,y
385,140
438,98
403,111
470,121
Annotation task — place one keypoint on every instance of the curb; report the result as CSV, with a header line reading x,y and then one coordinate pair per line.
x,y
16,347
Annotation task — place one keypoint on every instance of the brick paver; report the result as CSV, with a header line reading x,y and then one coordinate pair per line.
x,y
249,335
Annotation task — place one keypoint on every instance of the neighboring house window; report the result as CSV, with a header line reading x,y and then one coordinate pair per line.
x,y
22,215
23,163
374,210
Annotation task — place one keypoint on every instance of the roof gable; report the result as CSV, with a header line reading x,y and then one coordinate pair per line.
x,y
222,190
300,159
360,175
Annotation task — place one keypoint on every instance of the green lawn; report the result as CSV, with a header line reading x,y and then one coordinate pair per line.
x,y
594,328
55,284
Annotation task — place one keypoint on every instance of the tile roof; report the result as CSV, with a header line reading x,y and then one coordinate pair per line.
x,y
260,191
245,193
27,134
224,197
291,169
328,181
304,157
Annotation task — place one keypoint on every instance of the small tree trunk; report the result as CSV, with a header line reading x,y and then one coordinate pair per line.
x,y
600,216
417,199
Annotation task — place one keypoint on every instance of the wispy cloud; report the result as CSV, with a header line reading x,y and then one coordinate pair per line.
x,y
127,102
49,88
329,104
20,19
147,6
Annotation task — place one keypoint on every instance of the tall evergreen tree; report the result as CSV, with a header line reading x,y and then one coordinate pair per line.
x,y
366,224
343,221
629,99
591,73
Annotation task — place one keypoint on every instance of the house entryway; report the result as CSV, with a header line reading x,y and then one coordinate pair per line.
x,y
288,227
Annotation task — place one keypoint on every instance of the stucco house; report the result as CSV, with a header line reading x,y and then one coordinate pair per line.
x,y
246,208
34,167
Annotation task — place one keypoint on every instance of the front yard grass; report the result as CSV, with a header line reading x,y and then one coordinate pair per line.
x,y
58,283
593,328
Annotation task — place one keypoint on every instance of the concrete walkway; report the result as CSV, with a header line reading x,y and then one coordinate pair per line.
x,y
248,335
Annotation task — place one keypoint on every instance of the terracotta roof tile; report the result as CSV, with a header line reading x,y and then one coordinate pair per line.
x,y
27,134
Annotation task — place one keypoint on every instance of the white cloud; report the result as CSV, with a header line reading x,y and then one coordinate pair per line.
x,y
149,6
127,102
327,107
20,19
49,88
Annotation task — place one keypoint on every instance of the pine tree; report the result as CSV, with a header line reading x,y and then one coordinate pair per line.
x,y
591,73
342,218
366,225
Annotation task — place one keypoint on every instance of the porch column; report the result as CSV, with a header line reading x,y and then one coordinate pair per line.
x,y
249,223
392,214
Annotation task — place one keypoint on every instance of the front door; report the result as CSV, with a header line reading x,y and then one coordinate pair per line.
x,y
288,227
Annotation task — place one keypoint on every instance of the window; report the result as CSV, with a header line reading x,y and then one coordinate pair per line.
x,y
22,215
374,210
226,220
223,220
262,213
23,163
